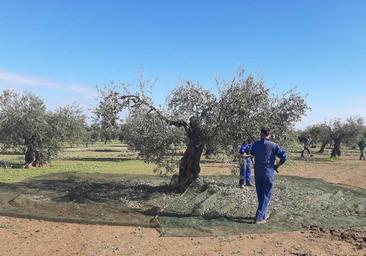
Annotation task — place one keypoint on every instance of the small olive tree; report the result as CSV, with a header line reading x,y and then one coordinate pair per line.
x,y
106,119
25,123
195,116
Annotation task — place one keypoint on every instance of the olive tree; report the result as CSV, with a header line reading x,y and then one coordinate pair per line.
x,y
342,131
319,134
106,119
155,141
26,123
92,134
353,141
195,116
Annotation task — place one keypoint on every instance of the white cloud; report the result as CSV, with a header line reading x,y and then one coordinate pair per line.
x,y
16,80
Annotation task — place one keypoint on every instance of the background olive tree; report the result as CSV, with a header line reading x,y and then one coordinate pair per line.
x,y
25,123
194,117
319,134
335,133
344,131
106,119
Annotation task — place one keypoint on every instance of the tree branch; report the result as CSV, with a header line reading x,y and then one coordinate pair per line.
x,y
124,100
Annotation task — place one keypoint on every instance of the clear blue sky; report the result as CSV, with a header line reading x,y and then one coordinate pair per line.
x,y
60,50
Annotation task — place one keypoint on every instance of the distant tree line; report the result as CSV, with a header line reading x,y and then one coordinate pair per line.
x,y
27,126
335,133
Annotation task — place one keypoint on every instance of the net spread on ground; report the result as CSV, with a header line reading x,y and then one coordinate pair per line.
x,y
212,205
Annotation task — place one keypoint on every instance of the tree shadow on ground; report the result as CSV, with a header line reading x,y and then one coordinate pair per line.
x,y
81,191
11,153
11,165
99,159
106,150
212,161
312,158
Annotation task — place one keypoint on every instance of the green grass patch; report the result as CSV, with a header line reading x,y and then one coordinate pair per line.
x,y
99,158
112,158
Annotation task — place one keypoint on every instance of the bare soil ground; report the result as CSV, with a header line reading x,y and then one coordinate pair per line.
x,y
347,171
34,237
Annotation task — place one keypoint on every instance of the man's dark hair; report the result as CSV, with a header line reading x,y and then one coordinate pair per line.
x,y
265,131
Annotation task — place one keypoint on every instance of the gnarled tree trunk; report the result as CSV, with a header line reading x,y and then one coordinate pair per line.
x,y
322,147
337,148
210,151
33,157
189,165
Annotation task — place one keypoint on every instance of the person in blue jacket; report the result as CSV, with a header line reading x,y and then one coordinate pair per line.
x,y
245,164
265,153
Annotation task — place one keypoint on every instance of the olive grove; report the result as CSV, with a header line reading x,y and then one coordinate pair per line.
x,y
26,124
319,134
335,133
176,134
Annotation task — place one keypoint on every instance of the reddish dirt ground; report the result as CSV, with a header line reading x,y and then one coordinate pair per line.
x,y
38,238
34,237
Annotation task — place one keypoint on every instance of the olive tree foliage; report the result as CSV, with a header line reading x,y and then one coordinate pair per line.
x,y
92,134
155,141
354,140
241,107
25,123
106,120
343,131
246,105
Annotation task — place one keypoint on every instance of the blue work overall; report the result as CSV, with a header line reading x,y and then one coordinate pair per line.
x,y
265,153
245,167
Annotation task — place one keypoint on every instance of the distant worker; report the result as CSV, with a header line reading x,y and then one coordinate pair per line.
x,y
265,153
362,146
245,164
307,143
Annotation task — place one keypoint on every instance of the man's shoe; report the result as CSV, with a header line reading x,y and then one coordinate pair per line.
x,y
241,186
250,184
267,216
260,222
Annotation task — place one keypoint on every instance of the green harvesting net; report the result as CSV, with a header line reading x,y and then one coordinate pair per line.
x,y
212,205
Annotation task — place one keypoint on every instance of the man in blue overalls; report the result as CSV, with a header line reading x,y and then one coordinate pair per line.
x,y
265,153
245,164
